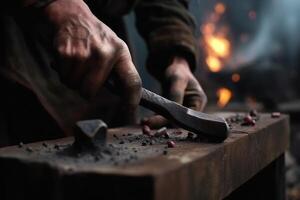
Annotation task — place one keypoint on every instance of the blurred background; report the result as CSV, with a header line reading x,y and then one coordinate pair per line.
x,y
249,59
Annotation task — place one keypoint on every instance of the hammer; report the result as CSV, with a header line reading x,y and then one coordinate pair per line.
x,y
212,127
89,132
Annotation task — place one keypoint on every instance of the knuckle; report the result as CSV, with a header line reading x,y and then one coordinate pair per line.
x,y
116,50
76,54
80,55
122,45
104,52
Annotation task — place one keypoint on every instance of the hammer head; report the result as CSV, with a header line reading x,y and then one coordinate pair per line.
x,y
88,133
212,126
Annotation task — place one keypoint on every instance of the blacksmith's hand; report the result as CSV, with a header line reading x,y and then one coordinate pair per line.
x,y
91,51
179,85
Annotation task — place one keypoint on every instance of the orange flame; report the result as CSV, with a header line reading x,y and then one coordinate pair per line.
x,y
220,8
214,64
216,45
235,77
224,96
219,45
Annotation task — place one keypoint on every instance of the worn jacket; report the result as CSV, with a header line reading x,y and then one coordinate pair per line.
x,y
166,25
37,100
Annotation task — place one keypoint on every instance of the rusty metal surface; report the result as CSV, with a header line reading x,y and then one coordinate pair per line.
x,y
191,170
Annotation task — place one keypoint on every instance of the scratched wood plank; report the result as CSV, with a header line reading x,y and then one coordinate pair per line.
x,y
189,171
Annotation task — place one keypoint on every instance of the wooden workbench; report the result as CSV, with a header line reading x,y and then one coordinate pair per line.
x,y
247,165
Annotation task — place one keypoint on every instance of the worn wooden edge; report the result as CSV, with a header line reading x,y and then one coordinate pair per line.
x,y
181,155
178,180
272,142
23,180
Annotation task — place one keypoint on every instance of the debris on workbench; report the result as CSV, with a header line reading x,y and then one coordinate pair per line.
x,y
144,144
29,149
161,132
56,147
45,145
191,136
115,136
275,114
177,132
171,144
248,121
125,148
146,130
166,135
253,113
21,144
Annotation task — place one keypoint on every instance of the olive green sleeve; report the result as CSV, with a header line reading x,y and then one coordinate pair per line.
x,y
168,30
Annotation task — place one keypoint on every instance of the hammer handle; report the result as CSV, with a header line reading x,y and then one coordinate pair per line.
x,y
159,104
152,101
200,123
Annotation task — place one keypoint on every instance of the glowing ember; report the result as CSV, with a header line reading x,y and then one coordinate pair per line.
x,y
220,8
208,28
235,78
224,96
214,64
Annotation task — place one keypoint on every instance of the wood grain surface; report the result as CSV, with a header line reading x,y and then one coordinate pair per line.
x,y
191,170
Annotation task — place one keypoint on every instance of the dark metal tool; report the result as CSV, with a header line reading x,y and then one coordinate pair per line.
x,y
211,126
88,133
